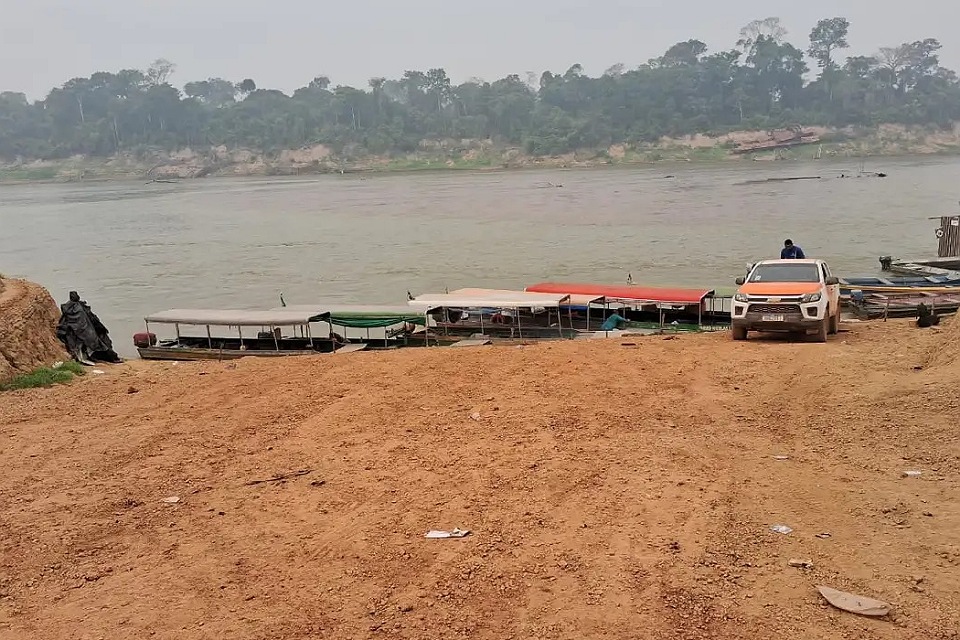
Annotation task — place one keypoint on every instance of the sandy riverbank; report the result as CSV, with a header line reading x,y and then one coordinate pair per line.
x,y
612,491
477,155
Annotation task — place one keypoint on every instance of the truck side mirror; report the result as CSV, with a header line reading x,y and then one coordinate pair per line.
x,y
832,280
740,280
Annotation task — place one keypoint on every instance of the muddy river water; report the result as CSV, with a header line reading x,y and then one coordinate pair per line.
x,y
132,248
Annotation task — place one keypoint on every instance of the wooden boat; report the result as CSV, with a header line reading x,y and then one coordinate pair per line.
x,y
380,326
222,336
874,306
791,136
496,314
642,304
285,331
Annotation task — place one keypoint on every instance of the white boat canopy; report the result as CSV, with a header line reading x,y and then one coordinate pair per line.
x,y
496,298
573,301
238,318
349,309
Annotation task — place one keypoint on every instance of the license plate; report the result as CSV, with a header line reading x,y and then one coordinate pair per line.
x,y
776,318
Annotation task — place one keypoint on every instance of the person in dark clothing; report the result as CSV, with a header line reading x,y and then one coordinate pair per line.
x,y
791,251
83,334
926,317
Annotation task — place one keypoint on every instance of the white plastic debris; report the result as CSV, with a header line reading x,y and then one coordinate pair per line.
x,y
455,533
171,500
860,605
781,458
912,474
97,372
58,364
781,528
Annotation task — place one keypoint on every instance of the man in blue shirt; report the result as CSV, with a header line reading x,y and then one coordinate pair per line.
x,y
791,251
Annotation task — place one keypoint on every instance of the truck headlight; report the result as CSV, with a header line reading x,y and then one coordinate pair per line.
x,y
741,298
810,297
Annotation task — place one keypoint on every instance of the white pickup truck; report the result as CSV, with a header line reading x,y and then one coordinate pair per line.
x,y
796,296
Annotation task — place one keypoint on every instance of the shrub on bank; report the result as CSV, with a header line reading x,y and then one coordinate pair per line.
x,y
45,377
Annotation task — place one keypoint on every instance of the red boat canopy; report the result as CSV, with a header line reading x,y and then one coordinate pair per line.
x,y
631,293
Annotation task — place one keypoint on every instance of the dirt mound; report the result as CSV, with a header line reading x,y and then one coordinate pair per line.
x,y
28,328
945,347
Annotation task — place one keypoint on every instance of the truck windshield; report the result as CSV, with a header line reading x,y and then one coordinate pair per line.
x,y
786,273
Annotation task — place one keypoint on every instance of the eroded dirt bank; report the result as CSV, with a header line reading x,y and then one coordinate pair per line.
x,y
613,492
28,327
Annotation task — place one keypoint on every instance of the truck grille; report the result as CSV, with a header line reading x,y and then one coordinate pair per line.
x,y
775,308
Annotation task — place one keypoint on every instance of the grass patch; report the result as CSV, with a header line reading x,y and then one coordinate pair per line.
x,y
45,377
29,173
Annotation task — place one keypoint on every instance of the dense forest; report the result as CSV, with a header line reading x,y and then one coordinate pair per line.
x,y
763,82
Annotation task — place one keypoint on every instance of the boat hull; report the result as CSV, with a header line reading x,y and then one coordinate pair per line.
x,y
192,353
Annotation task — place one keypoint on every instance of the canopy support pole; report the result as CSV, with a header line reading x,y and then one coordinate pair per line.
x,y
176,327
240,335
276,342
209,338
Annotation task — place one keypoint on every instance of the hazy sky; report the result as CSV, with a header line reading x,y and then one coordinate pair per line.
x,y
284,44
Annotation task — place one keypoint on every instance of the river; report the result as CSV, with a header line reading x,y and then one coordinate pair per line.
x,y
132,248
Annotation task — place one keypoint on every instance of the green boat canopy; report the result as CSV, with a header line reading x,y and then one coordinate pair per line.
x,y
361,316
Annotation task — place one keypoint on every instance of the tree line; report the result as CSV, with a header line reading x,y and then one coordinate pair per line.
x,y
763,82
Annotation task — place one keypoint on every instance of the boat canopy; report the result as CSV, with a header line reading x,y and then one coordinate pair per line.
x,y
574,300
624,293
362,316
481,298
237,318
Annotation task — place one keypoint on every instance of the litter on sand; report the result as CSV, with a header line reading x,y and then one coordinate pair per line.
x,y
781,457
800,564
456,533
860,605
824,535
97,372
912,474
781,528
171,500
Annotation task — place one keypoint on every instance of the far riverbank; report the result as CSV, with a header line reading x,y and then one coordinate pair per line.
x,y
885,141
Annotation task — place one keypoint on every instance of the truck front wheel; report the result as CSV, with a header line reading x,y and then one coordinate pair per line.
x,y
739,333
834,324
823,329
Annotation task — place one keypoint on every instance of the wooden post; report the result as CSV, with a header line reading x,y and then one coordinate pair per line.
x,y
949,237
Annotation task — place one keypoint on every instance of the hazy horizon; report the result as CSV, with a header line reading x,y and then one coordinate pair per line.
x,y
48,42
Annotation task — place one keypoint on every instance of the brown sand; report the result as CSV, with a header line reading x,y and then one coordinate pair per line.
x,y
612,491
28,322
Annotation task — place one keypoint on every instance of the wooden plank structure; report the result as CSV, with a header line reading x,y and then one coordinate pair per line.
x,y
948,236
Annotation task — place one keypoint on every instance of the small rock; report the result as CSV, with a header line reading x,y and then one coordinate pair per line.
x,y
133,390
800,564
